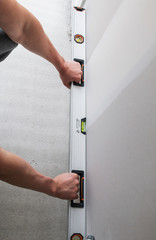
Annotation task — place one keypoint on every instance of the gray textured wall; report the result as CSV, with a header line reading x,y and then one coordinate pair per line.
x,y
34,108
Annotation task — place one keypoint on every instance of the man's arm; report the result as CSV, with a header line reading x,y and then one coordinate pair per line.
x,y
22,27
17,171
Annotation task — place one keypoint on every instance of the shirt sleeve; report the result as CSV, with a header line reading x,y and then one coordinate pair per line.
x,y
6,45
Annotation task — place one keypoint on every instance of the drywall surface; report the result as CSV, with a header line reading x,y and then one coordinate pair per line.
x,y
100,14
34,110
127,46
121,189
121,132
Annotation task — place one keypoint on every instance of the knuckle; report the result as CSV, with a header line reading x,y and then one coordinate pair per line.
x,y
77,182
75,196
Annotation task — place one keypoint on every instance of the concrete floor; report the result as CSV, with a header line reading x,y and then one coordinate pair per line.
x,y
34,123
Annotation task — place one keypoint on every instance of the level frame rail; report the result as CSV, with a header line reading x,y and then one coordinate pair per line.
x,y
77,162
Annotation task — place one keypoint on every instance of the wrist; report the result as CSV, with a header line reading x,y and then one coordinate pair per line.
x,y
56,59
61,66
49,186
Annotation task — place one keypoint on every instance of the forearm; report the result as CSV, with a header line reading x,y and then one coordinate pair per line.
x,y
17,171
35,39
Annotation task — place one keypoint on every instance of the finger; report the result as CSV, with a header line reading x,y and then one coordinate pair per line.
x,y
80,65
77,183
77,64
78,78
75,196
77,189
76,176
81,72
67,85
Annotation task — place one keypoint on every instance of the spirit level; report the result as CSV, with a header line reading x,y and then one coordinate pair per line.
x,y
79,203
77,208
80,9
77,236
90,237
81,84
79,38
83,126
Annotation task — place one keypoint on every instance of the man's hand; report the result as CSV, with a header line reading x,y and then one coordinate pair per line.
x,y
71,72
66,186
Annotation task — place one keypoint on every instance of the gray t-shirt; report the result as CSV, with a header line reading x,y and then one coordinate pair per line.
x,y
6,45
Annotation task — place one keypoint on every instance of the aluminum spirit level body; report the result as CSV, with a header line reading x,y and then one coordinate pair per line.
x,y
77,208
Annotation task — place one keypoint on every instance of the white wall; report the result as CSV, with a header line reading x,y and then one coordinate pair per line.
x,y
126,47
121,96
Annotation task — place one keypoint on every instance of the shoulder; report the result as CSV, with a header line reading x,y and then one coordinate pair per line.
x,y
5,5
7,8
